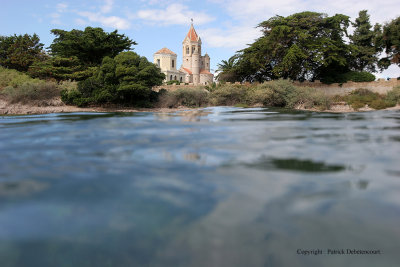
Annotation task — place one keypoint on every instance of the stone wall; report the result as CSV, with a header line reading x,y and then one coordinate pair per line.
x,y
381,86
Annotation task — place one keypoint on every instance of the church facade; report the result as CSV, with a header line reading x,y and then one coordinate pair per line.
x,y
195,68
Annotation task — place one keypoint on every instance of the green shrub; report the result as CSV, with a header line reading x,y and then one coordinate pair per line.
x,y
354,76
9,77
381,104
362,76
361,97
37,93
307,97
173,82
393,95
189,97
229,95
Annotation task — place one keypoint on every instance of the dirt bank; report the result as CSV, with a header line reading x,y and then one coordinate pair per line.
x,y
57,106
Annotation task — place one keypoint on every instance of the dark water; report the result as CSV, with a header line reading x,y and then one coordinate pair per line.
x,y
216,187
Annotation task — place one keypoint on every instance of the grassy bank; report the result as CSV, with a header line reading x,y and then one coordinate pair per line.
x,y
17,87
279,93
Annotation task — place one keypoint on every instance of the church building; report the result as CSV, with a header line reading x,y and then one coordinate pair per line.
x,y
195,67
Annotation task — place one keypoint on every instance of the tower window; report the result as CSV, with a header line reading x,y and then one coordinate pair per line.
x,y
193,49
173,63
170,78
187,50
158,62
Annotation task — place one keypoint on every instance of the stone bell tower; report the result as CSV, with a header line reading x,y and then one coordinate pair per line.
x,y
191,59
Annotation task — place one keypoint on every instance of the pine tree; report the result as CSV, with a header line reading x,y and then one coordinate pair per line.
x,y
364,51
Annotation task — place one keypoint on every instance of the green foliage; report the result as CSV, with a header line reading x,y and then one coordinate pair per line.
x,y
280,93
37,93
361,97
173,82
20,51
229,95
363,40
296,47
226,70
354,76
14,78
89,46
359,76
125,79
391,42
188,97
393,95
61,69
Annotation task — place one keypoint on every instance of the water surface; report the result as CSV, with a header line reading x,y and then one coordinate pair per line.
x,y
213,187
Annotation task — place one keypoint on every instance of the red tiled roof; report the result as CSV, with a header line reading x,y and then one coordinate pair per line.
x,y
192,35
203,71
187,70
165,51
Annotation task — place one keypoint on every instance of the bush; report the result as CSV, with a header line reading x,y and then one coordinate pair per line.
x,y
189,97
362,76
14,78
37,93
361,97
393,95
229,95
353,76
126,79
173,82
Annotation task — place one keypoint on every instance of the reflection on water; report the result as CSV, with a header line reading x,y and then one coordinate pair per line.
x,y
212,187
295,165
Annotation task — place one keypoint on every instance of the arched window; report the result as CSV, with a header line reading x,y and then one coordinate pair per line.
x,y
158,62
193,49
181,79
175,78
170,78
173,63
187,50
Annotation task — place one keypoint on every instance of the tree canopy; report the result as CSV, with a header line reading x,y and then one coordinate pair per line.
x,y
364,43
296,47
391,40
125,79
314,46
89,46
20,51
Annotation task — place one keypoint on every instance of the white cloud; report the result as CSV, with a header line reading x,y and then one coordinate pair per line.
x,y
234,37
246,14
108,5
256,11
107,21
61,7
56,16
160,2
173,14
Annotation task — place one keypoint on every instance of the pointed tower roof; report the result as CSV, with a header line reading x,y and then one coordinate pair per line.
x,y
192,34
165,51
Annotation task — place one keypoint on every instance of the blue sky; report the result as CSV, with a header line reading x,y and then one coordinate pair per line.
x,y
224,26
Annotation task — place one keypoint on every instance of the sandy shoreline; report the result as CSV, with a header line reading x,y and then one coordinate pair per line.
x,y
59,107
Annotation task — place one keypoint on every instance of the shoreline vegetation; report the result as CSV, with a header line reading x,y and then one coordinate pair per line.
x,y
21,94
